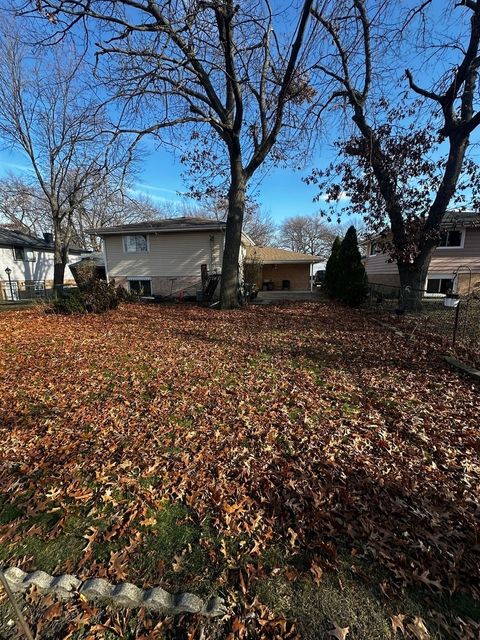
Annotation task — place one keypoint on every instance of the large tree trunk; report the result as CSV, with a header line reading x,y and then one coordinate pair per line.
x,y
233,235
413,278
59,261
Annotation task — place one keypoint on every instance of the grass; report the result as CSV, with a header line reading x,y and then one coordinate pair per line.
x,y
236,454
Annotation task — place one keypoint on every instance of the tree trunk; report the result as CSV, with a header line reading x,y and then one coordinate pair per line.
x,y
233,235
413,278
59,261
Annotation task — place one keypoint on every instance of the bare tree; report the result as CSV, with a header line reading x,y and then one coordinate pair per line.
x,y
257,224
307,234
391,171
23,206
44,113
106,206
235,75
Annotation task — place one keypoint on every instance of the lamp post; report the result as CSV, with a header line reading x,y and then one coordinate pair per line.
x,y
8,271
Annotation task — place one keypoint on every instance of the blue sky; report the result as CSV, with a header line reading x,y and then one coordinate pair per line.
x,y
281,192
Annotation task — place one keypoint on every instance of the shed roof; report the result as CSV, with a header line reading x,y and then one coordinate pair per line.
x,y
272,255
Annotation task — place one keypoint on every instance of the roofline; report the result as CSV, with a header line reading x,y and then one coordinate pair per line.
x,y
37,247
116,232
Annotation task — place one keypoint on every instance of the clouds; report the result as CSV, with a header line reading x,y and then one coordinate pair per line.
x,y
153,192
342,197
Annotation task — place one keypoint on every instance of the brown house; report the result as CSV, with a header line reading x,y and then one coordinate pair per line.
x,y
279,269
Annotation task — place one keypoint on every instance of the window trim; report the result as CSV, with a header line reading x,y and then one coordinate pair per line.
x,y
457,247
124,243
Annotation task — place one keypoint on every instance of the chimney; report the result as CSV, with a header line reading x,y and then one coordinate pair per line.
x,y
48,237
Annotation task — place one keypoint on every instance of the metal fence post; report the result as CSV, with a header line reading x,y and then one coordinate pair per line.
x,y
455,326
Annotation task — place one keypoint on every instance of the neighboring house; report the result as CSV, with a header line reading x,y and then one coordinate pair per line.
x,y
455,264
164,257
30,261
279,269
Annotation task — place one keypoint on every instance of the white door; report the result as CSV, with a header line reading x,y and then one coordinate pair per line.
x,y
11,290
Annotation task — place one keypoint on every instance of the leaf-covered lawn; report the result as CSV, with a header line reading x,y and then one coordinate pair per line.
x,y
316,470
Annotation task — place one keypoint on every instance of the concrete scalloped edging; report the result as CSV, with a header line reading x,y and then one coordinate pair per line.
x,y
122,595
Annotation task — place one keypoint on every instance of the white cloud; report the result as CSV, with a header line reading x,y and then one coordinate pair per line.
x,y
342,198
151,187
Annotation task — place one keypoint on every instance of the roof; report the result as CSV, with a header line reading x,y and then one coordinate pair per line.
x,y
453,219
167,225
273,255
95,256
459,218
13,238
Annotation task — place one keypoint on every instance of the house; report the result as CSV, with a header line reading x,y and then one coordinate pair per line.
x,y
164,257
279,269
455,264
26,264
167,257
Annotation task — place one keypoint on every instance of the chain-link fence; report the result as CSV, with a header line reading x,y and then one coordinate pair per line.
x,y
456,319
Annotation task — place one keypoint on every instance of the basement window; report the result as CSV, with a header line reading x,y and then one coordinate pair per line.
x,y
439,286
140,287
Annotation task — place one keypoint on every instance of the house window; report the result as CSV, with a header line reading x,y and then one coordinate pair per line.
x,y
451,239
137,243
442,286
375,248
21,253
140,287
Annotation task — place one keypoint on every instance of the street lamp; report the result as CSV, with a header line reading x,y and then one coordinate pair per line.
x,y
8,271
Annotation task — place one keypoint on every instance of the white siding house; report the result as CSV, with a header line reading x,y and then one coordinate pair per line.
x,y
26,265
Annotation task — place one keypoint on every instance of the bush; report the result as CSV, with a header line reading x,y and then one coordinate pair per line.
x,y
94,296
100,296
330,282
352,279
69,302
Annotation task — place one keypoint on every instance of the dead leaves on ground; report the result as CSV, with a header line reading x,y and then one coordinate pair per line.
x,y
288,427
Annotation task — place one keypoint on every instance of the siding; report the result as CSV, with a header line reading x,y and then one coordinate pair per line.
x,y
444,261
26,272
170,255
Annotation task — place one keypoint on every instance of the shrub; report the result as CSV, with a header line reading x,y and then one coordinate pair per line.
x,y
100,296
69,302
352,279
330,283
94,296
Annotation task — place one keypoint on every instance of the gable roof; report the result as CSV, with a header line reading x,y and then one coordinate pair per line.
x,y
272,255
14,238
166,225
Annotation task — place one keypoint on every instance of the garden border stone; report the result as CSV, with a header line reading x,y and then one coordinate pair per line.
x,y
124,594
